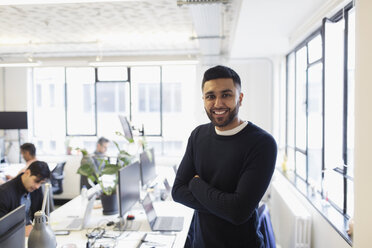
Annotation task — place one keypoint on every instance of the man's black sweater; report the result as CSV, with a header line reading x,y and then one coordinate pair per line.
x,y
235,172
11,193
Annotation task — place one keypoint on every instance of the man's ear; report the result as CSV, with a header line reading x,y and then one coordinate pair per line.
x,y
27,172
241,95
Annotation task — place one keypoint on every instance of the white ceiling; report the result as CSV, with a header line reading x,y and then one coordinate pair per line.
x,y
118,28
265,26
146,28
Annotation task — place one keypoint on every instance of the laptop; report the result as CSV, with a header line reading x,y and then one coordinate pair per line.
x,y
160,223
77,223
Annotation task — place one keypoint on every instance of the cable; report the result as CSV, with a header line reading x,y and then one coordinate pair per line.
x,y
92,236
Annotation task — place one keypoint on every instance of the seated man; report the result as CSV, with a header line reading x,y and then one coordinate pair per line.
x,y
25,189
28,151
101,147
96,159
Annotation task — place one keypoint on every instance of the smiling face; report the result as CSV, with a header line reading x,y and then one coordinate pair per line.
x,y
221,102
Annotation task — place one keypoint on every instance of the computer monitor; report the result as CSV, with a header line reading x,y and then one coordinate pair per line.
x,y
148,171
129,190
13,120
126,127
12,228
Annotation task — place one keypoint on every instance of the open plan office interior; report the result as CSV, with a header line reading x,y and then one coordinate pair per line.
x,y
72,71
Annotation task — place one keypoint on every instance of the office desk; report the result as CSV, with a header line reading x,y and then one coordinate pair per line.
x,y
10,169
127,239
14,168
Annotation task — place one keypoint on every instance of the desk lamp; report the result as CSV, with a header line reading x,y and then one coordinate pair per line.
x,y
42,235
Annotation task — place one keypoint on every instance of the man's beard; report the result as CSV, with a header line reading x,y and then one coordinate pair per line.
x,y
230,117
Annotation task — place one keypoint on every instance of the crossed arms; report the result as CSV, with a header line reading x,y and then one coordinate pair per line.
x,y
191,190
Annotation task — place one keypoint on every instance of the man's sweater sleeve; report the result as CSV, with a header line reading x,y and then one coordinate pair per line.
x,y
237,207
4,203
186,171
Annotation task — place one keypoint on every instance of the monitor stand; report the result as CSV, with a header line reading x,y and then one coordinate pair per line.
x,y
127,225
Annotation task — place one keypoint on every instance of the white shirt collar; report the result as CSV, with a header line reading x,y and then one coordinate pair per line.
x,y
233,131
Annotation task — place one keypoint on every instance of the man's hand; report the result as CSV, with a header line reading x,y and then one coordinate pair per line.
x,y
197,176
9,177
28,230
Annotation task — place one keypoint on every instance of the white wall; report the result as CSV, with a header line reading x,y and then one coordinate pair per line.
x,y
257,86
363,125
13,89
199,112
13,97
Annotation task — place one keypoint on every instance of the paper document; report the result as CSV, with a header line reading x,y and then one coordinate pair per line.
x,y
157,240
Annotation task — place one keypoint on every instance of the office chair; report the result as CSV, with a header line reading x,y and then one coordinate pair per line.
x,y
265,227
57,178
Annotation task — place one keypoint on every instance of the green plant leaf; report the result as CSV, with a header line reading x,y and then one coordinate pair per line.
x,y
110,169
82,150
117,145
130,140
86,170
125,153
93,178
125,160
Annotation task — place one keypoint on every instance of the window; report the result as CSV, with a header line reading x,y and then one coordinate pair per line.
x,y
320,115
52,95
172,97
179,87
112,88
148,97
86,101
315,123
39,101
80,89
350,89
300,112
290,111
49,107
146,87
110,74
334,109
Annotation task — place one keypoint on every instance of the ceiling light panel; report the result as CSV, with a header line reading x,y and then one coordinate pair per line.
x,y
207,19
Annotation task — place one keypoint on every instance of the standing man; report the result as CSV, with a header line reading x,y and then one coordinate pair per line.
x,y
25,189
226,168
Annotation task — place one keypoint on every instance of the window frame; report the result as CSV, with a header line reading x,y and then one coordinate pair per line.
x,y
130,107
340,224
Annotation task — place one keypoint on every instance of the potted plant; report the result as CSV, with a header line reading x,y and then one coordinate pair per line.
x,y
99,175
68,146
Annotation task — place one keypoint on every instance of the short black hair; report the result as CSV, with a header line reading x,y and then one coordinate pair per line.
x,y
221,71
102,140
39,169
29,147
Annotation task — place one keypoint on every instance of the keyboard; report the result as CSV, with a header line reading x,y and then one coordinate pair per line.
x,y
3,166
76,223
165,222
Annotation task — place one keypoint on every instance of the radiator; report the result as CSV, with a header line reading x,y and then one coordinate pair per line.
x,y
290,219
